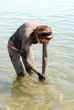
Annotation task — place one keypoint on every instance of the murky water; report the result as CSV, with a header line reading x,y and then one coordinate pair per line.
x,y
57,93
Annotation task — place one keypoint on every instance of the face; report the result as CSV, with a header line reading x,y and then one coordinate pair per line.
x,y
45,38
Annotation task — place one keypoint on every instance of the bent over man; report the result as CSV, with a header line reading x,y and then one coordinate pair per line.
x,y
19,45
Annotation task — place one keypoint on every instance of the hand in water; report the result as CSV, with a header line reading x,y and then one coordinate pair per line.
x,y
41,77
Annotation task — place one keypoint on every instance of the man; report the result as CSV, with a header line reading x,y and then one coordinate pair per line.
x,y
19,45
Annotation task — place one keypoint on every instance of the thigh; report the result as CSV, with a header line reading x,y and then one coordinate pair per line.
x,y
16,61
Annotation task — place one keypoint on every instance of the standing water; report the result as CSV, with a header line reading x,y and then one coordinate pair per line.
x,y
57,93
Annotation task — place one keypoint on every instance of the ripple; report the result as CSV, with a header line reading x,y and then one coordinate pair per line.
x,y
4,107
58,92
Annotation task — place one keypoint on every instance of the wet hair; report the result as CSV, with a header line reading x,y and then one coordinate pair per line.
x,y
39,31
44,34
41,28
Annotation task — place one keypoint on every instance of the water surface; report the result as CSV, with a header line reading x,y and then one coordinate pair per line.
x,y
57,93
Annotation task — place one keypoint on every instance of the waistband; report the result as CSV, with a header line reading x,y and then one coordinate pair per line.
x,y
11,46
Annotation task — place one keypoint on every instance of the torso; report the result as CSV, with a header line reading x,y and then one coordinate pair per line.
x,y
19,38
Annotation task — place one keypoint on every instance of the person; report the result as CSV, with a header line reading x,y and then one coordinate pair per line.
x,y
20,48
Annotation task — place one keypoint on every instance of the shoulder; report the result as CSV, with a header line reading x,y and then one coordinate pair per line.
x,y
29,27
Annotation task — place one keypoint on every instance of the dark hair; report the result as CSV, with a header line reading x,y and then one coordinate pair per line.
x,y
39,32
40,29
45,34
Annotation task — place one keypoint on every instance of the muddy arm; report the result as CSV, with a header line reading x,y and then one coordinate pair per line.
x,y
44,59
25,55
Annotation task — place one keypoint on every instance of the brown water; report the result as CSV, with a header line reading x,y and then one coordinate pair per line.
x,y
57,92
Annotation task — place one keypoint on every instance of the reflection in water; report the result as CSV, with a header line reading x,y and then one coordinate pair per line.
x,y
30,95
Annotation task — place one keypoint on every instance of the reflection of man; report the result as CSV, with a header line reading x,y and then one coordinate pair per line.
x,y
19,45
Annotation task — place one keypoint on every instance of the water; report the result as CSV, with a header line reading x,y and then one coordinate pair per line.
x,y
57,93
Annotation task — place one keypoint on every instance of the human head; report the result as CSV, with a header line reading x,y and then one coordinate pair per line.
x,y
43,34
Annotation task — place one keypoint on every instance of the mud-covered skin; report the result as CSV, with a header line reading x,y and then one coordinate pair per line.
x,y
22,40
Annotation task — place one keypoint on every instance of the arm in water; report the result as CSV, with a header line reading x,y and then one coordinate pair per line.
x,y
25,53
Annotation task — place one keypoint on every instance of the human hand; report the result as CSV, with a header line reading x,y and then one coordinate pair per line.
x,y
41,77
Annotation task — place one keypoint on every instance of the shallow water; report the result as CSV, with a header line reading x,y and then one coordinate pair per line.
x,y
57,92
